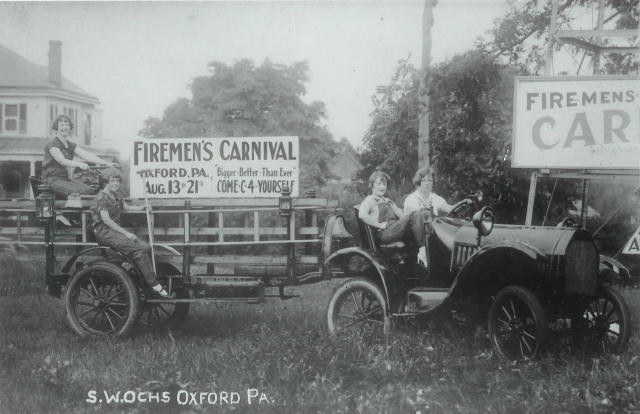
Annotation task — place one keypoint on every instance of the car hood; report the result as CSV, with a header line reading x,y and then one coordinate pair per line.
x,y
545,240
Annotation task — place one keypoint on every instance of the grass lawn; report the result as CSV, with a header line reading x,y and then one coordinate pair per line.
x,y
276,358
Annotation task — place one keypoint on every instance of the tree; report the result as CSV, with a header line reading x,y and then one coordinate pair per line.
x,y
470,131
390,143
522,35
471,108
245,100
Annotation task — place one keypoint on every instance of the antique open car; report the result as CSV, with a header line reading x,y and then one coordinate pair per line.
x,y
520,280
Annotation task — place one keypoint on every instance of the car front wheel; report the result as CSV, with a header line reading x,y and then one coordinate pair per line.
x,y
517,325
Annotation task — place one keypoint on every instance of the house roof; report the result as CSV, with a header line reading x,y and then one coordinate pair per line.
x,y
22,146
18,72
35,146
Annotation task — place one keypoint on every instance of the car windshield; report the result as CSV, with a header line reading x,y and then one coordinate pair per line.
x,y
612,209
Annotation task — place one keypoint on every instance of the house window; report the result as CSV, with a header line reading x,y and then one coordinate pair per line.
x,y
53,113
87,129
13,118
23,119
73,114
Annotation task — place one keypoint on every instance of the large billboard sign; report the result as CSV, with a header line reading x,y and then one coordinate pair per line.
x,y
577,122
214,167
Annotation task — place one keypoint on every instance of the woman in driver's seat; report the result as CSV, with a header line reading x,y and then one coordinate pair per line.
x,y
392,223
424,198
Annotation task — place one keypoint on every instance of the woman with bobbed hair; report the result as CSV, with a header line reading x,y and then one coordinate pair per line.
x,y
60,155
424,198
105,219
391,222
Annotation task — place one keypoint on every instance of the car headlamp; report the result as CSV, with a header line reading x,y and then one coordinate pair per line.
x,y
483,221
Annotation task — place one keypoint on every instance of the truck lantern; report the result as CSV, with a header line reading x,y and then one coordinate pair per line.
x,y
45,204
284,204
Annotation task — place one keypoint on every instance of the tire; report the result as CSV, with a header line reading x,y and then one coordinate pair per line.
x,y
358,307
165,314
604,324
517,323
101,300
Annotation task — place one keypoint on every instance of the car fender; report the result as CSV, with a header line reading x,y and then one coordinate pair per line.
x,y
608,265
334,228
470,269
385,277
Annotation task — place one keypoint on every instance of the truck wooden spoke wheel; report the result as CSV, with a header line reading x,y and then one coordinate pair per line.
x,y
101,300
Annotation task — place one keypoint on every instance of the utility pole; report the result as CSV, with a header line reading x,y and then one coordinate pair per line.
x,y
553,29
423,95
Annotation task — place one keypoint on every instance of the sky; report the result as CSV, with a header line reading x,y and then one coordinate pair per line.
x,y
139,57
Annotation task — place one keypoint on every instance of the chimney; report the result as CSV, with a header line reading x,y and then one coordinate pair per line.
x,y
55,62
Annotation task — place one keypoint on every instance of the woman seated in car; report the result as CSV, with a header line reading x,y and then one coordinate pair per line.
x,y
391,222
424,198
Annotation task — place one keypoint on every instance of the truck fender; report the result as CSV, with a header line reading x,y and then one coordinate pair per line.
x,y
167,248
72,259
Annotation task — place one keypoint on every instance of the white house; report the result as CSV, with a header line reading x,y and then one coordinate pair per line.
x,y
31,97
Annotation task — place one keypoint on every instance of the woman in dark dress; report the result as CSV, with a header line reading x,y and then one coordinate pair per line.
x,y
105,213
59,158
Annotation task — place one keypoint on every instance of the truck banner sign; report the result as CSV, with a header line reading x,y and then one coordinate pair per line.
x,y
577,122
214,167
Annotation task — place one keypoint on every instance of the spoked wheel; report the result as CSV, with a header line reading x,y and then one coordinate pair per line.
x,y
155,315
605,323
101,300
517,324
358,307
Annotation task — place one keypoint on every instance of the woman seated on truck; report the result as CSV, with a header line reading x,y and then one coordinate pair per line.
x,y
59,157
392,223
105,214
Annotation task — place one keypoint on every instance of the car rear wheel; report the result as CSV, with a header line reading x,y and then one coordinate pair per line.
x,y
517,325
604,325
358,307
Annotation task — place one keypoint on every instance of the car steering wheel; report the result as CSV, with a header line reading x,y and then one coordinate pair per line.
x,y
567,222
458,208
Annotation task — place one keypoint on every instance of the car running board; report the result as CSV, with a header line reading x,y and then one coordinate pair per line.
x,y
423,300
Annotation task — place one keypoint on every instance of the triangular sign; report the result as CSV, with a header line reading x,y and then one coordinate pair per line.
x,y
633,245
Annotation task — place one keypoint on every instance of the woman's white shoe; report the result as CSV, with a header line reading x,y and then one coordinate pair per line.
x,y
160,290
